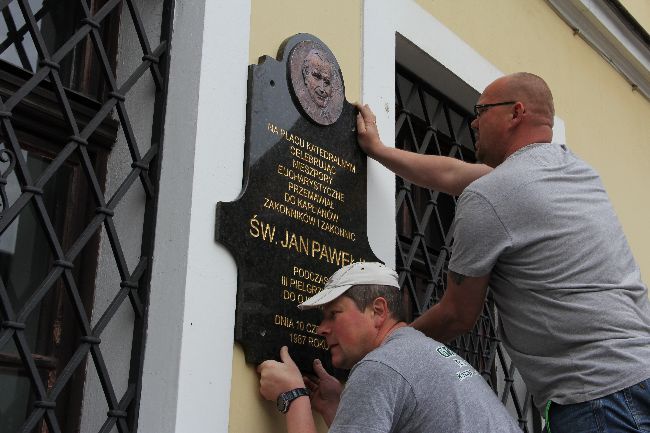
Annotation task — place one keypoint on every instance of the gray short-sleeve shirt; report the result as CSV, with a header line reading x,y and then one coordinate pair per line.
x,y
413,384
575,314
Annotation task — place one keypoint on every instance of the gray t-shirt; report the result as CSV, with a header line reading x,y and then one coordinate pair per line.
x,y
413,384
575,314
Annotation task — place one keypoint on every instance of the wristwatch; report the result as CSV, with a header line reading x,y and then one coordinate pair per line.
x,y
285,399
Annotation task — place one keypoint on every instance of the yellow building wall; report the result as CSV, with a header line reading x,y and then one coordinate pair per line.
x,y
338,25
606,121
640,10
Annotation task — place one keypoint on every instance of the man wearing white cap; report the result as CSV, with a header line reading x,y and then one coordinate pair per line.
x,y
401,381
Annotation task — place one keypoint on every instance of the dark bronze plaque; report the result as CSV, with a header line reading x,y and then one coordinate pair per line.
x,y
301,214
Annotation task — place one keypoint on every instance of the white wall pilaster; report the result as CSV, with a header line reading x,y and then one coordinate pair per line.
x,y
188,359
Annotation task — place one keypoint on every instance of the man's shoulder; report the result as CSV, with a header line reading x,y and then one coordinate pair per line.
x,y
511,176
531,168
494,182
401,347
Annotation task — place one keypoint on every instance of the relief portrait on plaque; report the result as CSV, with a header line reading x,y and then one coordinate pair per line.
x,y
301,214
316,82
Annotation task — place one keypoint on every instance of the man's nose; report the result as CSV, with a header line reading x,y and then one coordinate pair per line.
x,y
474,123
322,330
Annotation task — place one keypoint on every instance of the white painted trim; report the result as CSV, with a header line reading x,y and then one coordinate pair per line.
x,y
381,20
188,357
608,34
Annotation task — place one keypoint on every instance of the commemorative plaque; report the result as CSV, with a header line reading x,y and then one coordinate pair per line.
x,y
301,214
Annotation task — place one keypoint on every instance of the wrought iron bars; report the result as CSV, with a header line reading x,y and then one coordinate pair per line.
x,y
7,157
429,123
122,410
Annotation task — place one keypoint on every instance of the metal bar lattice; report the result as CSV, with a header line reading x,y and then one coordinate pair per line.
x,y
134,283
429,123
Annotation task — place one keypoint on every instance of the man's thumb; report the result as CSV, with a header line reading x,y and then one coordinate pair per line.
x,y
319,369
284,356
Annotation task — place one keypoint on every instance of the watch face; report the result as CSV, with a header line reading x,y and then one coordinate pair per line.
x,y
285,399
282,403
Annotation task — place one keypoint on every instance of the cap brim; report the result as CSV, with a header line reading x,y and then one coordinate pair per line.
x,y
323,297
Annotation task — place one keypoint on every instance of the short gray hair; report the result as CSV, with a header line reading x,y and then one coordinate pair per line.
x,y
364,295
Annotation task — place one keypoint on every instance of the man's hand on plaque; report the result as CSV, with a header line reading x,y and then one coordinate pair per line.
x,y
367,133
325,392
278,377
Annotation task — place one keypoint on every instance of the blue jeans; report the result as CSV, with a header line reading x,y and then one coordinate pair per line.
x,y
626,411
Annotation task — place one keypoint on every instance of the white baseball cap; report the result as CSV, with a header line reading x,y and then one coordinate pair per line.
x,y
352,275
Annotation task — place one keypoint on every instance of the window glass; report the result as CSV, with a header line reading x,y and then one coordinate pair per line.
x,y
56,20
14,401
25,264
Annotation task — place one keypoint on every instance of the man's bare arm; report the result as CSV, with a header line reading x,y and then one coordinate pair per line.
x,y
457,311
440,173
300,418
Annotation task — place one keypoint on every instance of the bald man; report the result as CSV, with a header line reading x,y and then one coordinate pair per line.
x,y
534,223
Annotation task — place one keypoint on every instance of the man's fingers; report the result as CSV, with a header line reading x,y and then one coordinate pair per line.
x,y
363,109
319,369
368,115
361,124
265,364
284,356
309,383
261,366
365,119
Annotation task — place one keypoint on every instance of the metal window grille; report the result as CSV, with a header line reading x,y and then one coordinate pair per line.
x,y
429,123
133,287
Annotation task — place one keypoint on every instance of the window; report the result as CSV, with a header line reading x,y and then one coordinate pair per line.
x,y
435,120
25,261
26,253
62,110
429,123
58,21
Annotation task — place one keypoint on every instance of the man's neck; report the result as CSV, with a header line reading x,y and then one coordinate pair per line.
x,y
387,330
542,134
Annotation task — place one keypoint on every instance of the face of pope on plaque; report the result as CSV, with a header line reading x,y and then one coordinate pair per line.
x,y
316,82
317,73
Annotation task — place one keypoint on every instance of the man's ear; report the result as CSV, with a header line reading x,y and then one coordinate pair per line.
x,y
518,111
380,310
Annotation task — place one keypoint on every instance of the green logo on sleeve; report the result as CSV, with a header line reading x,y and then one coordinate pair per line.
x,y
460,362
445,352
462,375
